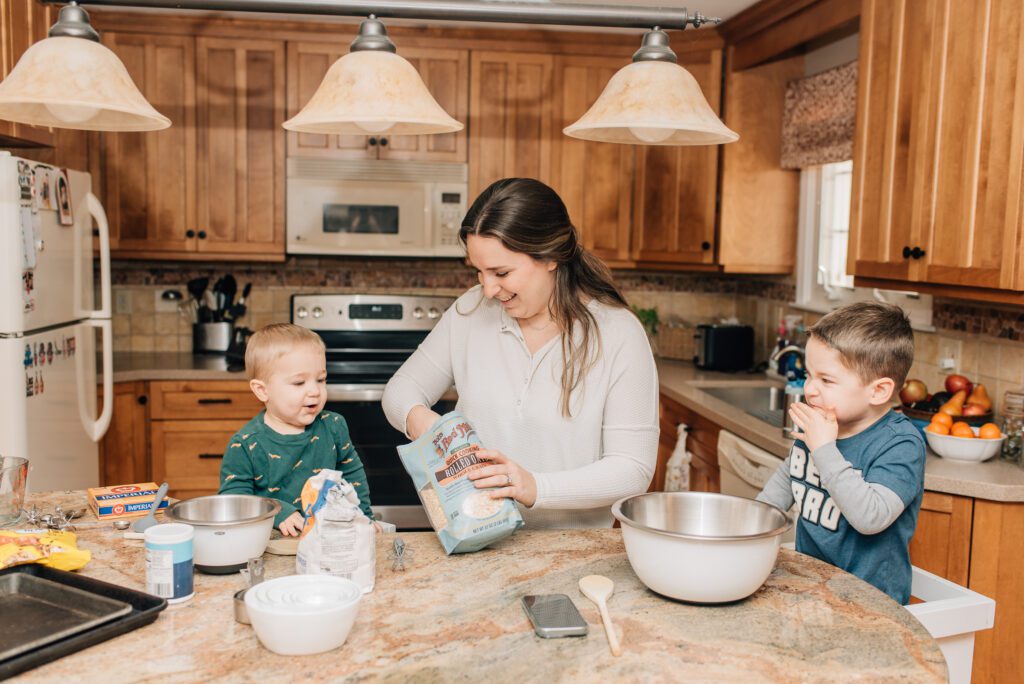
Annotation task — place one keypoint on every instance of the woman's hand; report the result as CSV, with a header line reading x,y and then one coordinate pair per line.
x,y
512,481
419,420
292,525
818,426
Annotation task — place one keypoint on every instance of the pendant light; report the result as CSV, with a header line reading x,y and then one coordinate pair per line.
x,y
372,90
70,80
652,101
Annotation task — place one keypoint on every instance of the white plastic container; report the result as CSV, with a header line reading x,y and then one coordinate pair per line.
x,y
951,614
303,614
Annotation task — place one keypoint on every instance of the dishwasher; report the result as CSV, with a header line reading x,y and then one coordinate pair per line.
x,y
744,470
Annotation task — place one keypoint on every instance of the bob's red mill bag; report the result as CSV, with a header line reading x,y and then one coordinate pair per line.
x,y
464,517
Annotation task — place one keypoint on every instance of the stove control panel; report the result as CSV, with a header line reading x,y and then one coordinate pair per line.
x,y
368,312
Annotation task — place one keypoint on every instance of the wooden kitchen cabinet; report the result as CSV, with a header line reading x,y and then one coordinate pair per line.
x,y
22,23
124,452
942,541
240,91
701,442
939,148
445,73
187,454
510,117
213,182
595,180
676,187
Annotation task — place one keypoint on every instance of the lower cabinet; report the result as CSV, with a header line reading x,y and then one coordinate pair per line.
x,y
701,442
174,432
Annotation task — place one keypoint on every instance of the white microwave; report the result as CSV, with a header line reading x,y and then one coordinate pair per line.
x,y
375,207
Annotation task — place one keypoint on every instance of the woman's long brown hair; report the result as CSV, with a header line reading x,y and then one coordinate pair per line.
x,y
529,217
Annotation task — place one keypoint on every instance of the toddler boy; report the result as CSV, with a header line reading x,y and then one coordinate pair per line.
x,y
277,451
856,471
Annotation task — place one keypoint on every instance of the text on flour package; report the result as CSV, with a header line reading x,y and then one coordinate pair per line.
x,y
464,517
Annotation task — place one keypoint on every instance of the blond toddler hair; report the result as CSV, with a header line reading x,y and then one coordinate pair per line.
x,y
271,342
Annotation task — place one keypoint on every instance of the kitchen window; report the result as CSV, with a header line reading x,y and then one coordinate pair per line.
x,y
822,282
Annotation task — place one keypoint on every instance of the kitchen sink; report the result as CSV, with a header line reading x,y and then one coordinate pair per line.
x,y
763,402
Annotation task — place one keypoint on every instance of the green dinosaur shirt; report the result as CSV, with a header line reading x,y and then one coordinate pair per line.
x,y
261,461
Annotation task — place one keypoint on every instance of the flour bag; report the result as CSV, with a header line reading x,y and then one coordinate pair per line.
x,y
464,517
337,538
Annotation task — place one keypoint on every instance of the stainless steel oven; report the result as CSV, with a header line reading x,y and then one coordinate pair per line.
x,y
368,337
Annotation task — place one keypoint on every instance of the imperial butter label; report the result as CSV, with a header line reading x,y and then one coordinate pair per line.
x,y
123,501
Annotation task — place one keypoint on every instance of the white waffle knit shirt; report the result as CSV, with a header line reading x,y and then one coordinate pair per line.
x,y
606,450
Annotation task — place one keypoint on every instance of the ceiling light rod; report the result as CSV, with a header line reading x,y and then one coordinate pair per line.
x,y
443,10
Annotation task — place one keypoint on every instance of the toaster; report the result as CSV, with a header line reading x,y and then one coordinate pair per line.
x,y
725,347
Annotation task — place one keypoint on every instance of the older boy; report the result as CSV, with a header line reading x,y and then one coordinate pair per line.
x,y
293,438
856,470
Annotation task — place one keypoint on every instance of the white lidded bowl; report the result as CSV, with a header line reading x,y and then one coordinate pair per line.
x,y
968,449
698,546
303,614
230,529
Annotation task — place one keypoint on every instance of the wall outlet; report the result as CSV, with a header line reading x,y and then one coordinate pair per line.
x,y
947,363
122,301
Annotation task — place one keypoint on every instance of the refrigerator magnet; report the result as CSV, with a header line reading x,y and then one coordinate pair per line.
x,y
28,287
44,189
63,194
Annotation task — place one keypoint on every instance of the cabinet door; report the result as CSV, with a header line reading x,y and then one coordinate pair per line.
x,y
124,457
676,187
22,23
446,75
240,107
942,540
150,177
187,454
704,471
510,117
203,400
307,65
595,180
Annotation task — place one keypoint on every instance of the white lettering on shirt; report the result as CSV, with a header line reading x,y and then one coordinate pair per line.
x,y
829,515
812,505
797,462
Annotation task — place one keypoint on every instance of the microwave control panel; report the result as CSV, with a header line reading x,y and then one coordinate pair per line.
x,y
449,208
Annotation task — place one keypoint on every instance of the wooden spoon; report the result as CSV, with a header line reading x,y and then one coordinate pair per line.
x,y
598,589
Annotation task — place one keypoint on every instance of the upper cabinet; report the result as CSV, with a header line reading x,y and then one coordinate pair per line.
x,y
445,73
212,183
939,150
22,23
510,118
676,187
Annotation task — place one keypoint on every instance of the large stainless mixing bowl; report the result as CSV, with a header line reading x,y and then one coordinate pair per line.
x,y
698,546
229,529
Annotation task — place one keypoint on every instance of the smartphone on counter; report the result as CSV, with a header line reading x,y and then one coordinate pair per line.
x,y
554,615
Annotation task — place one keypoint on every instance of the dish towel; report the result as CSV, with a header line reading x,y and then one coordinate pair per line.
x,y
677,470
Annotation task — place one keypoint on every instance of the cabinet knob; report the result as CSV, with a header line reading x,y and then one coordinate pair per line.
x,y
705,245
383,142
202,235
372,141
917,252
906,252
190,233
143,400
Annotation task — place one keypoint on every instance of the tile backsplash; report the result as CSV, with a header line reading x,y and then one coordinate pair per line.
x,y
984,342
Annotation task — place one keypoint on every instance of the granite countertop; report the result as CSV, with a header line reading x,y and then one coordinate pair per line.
x,y
995,480
459,618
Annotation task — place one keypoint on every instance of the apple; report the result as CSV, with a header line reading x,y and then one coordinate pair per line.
x,y
913,390
955,383
974,410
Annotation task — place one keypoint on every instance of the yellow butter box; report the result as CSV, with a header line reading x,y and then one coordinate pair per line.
x,y
123,501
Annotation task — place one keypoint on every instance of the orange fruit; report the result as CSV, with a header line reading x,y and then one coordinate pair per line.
x,y
990,431
943,419
938,428
961,429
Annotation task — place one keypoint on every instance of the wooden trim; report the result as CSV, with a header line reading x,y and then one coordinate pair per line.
x,y
759,17
812,21
1015,297
131,255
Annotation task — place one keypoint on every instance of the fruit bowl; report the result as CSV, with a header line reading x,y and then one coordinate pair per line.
x,y
968,449
926,416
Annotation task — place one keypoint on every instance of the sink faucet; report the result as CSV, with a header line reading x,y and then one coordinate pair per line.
x,y
788,349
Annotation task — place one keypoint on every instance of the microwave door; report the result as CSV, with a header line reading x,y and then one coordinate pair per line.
x,y
356,217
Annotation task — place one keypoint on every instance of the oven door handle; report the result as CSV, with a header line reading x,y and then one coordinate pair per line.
x,y
355,392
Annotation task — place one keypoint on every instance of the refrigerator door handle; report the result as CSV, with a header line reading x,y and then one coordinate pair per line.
x,y
95,209
98,427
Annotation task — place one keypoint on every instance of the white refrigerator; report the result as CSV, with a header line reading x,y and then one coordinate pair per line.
x,y
49,324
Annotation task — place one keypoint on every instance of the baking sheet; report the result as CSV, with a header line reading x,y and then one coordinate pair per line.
x,y
39,611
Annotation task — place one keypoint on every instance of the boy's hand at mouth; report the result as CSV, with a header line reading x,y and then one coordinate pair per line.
x,y
817,426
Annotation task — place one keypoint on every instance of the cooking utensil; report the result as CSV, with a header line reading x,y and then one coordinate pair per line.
x,y
238,309
230,289
230,529
144,523
698,546
253,574
598,589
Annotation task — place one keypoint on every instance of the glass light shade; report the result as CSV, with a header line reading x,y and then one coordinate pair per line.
x,y
75,83
372,91
652,103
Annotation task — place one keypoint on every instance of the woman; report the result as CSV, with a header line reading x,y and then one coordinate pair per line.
x,y
551,367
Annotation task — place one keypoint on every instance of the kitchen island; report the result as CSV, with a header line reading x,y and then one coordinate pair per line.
x,y
459,618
